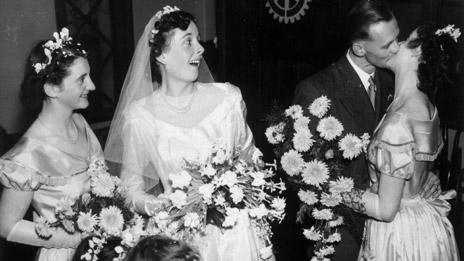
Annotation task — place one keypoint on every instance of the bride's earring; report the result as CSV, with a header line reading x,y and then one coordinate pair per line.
x,y
161,59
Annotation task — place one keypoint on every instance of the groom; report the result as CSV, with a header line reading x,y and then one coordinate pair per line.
x,y
360,91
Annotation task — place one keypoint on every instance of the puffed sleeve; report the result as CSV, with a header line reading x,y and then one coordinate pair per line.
x,y
18,177
243,134
392,150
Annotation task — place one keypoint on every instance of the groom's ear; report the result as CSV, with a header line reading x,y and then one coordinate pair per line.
x,y
161,58
358,49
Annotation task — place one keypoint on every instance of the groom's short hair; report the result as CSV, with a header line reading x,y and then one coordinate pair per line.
x,y
364,14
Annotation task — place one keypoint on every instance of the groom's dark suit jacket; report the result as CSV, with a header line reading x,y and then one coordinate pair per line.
x,y
351,105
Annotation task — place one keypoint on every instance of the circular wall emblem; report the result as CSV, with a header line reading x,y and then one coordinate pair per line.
x,y
287,10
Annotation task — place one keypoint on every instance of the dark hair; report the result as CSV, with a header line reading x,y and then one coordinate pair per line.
x,y
32,91
435,61
161,248
168,22
364,14
107,253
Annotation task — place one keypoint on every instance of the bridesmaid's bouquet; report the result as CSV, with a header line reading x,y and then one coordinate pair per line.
x,y
101,212
218,191
313,161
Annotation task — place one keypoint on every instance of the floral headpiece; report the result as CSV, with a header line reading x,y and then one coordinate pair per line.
x,y
166,10
61,40
451,31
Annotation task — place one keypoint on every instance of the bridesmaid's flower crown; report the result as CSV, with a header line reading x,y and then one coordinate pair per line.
x,y
451,31
56,46
166,10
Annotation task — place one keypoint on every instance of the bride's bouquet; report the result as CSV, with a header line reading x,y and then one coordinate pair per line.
x,y
101,212
314,159
219,191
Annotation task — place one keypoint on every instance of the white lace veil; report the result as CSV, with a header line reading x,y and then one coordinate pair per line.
x,y
138,84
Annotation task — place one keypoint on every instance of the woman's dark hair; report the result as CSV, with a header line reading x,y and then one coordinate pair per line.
x,y
435,61
177,19
362,15
107,253
32,91
161,248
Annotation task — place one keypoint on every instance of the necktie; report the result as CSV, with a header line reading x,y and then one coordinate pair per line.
x,y
371,91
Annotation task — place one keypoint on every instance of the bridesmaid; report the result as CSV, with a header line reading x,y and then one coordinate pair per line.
x,y
51,159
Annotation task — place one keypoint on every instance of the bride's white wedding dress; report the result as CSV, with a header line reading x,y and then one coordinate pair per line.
x,y
161,131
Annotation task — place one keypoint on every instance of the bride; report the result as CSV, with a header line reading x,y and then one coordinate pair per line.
x,y
170,110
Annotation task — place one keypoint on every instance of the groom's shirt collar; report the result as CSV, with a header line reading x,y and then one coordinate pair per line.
x,y
364,76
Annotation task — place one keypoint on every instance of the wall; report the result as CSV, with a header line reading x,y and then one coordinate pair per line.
x,y
22,24
203,10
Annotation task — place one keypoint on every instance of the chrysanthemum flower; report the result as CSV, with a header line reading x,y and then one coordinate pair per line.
x,y
315,173
320,106
178,198
229,178
302,140
301,124
231,217
351,146
292,162
236,194
312,234
208,170
86,222
307,197
335,237
329,128
206,190
278,204
342,184
330,200
337,222
191,220
111,220
259,212
180,179
323,214
102,185
294,111
274,133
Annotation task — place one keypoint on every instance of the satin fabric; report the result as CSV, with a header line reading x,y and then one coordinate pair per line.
x,y
404,147
41,166
158,138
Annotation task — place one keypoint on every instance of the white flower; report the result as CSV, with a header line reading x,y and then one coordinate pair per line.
x,y
220,200
191,220
178,198
231,217
208,171
335,237
86,222
229,178
329,128
294,111
292,162
111,220
102,185
319,107
330,200
302,140
220,157
323,214
42,228
308,197
265,252
278,204
449,29
315,173
312,234
64,206
39,67
128,238
206,191
181,179
48,53
301,124
162,219
325,251
337,222
365,141
258,212
236,194
258,178
342,184
351,146
274,134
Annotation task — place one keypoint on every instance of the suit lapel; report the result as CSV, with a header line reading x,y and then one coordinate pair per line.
x,y
354,98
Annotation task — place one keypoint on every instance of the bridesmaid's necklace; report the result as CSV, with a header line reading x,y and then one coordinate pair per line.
x,y
183,109
68,139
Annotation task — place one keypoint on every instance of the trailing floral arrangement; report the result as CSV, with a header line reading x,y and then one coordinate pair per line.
x,y
220,191
313,149
101,212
